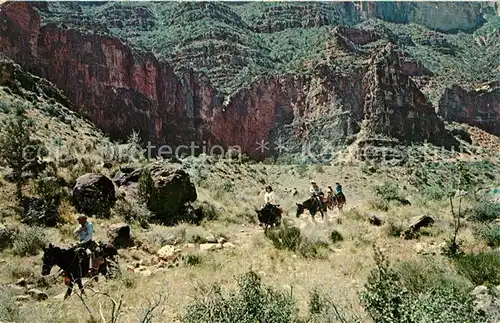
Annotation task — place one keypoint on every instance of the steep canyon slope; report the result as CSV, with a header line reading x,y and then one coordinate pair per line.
x,y
235,74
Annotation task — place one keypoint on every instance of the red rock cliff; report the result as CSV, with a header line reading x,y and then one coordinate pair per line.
x,y
121,90
480,107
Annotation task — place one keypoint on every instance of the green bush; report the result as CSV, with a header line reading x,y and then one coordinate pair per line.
x,y
132,212
323,309
433,192
484,212
489,233
9,311
29,242
379,204
290,238
250,302
387,193
191,259
391,297
482,268
425,274
335,236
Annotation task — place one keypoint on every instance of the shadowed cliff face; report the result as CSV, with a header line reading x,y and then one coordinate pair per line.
x,y
480,107
121,90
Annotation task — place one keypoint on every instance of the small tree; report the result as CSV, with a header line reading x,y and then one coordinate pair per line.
x,y
461,184
17,149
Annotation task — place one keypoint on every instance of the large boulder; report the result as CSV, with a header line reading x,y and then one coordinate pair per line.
x,y
171,191
94,195
126,176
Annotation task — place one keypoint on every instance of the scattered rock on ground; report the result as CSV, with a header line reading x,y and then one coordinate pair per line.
x,y
375,220
38,294
169,253
420,221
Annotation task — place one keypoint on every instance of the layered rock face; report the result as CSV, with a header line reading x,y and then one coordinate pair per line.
x,y
441,16
121,90
480,107
394,106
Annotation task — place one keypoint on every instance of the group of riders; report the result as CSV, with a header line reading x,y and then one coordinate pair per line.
x,y
314,190
85,230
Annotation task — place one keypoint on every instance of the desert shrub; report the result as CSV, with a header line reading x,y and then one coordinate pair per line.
x,y
191,259
285,237
379,204
425,274
335,236
210,211
132,212
323,309
301,170
387,192
393,228
482,268
29,241
433,192
489,233
9,311
484,212
250,302
390,298
319,169
290,238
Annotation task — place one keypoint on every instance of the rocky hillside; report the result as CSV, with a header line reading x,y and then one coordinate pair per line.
x,y
312,75
68,137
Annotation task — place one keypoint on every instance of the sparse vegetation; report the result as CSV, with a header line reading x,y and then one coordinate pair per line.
x,y
250,302
390,298
481,268
290,238
18,150
29,242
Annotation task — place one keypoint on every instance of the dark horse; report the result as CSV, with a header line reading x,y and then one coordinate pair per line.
x,y
74,262
336,200
313,206
269,215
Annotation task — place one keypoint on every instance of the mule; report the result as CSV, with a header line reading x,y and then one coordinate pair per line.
x,y
269,216
336,201
313,206
74,262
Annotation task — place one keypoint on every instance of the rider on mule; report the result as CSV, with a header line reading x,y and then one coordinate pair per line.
x,y
338,189
316,193
270,198
84,232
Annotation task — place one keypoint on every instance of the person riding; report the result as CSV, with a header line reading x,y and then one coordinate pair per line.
x,y
269,198
338,189
84,232
315,191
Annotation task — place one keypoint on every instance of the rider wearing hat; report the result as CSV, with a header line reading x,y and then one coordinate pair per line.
x,y
315,191
84,232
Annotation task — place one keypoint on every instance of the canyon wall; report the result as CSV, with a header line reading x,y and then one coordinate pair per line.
x,y
121,90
